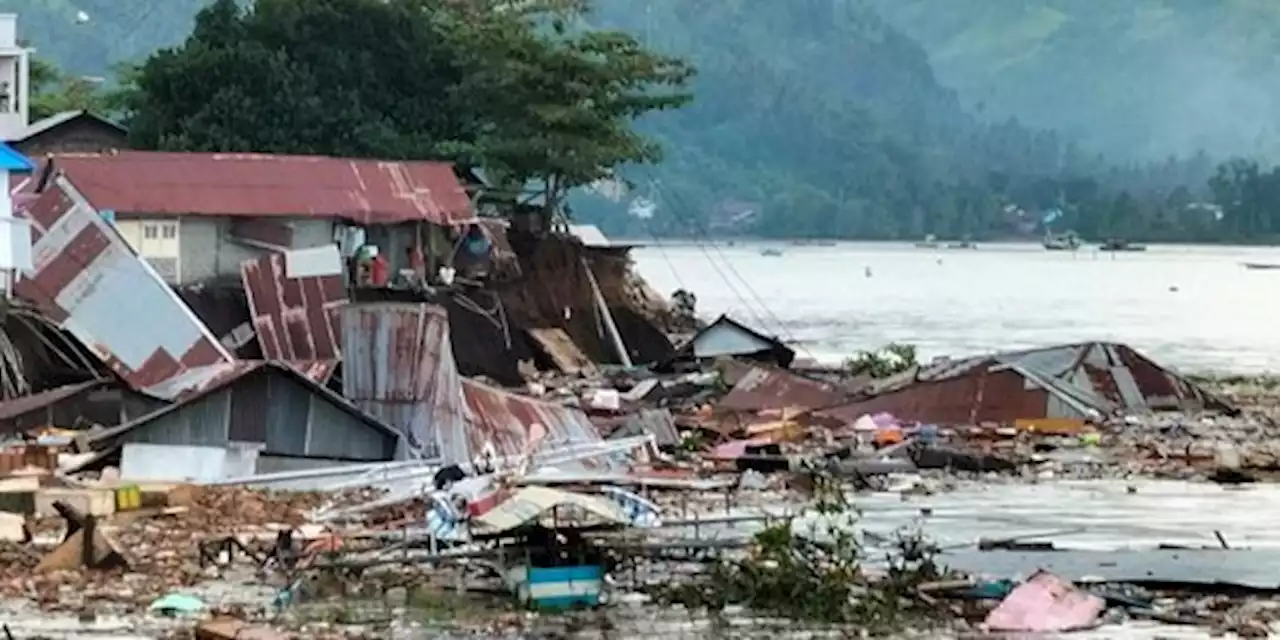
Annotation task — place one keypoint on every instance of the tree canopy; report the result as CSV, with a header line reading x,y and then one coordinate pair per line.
x,y
808,118
54,91
514,91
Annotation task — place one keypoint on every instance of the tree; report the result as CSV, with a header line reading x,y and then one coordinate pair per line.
x,y
559,102
53,91
478,82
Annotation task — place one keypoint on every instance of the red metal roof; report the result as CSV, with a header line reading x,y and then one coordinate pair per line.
x,y
762,389
256,185
88,281
1062,381
392,369
295,318
400,366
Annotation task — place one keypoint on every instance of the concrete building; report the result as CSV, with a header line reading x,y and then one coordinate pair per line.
x,y
15,85
197,217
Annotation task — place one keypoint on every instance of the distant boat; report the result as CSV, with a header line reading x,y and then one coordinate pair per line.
x,y
1261,265
813,243
1066,242
929,242
962,244
1117,244
773,253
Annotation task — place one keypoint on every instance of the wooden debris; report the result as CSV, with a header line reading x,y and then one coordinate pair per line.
x,y
232,629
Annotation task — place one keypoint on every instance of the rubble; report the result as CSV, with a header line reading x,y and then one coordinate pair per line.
x,y
605,472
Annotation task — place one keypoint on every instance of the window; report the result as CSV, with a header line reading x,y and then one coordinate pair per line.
x,y
169,231
149,231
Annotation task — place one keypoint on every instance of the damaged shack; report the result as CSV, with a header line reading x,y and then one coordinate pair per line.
x,y
1087,381
312,326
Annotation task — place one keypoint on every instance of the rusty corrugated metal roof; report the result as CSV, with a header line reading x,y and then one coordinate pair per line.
x,y
466,415
391,369
506,420
88,281
760,389
295,318
1080,379
258,185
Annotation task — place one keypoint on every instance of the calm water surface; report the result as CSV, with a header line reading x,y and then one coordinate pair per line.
x,y
1191,307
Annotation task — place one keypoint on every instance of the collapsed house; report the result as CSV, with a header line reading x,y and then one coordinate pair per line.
x,y
242,289
1076,382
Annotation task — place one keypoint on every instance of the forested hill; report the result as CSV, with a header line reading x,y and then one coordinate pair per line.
x,y
826,117
1135,79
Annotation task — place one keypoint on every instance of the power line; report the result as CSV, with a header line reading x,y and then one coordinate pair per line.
x,y
729,283
779,325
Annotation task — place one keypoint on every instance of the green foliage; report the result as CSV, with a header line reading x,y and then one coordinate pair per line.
x,y
558,103
1138,80
53,91
408,79
817,576
824,117
891,360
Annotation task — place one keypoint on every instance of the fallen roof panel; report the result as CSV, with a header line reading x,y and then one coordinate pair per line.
x,y
295,301
91,283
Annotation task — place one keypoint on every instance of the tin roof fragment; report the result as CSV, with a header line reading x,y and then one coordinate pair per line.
x,y
295,300
90,282
1071,381
400,367
763,389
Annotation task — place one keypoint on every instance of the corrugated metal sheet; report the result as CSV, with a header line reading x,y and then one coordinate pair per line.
x,y
506,420
256,185
297,417
295,318
529,504
762,389
466,414
1065,381
88,280
199,380
391,366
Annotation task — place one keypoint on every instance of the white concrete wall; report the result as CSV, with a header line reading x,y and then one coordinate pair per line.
x,y
207,250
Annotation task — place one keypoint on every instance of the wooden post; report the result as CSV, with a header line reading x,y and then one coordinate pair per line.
x,y
90,530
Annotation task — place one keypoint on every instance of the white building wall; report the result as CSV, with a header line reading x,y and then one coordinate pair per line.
x,y
15,90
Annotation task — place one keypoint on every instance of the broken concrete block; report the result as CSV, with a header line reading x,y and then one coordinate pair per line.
x,y
97,502
13,527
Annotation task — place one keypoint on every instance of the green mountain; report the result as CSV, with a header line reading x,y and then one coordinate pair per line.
x,y
826,117
116,30
1136,79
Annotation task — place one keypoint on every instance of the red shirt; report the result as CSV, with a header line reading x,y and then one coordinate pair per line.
x,y
378,271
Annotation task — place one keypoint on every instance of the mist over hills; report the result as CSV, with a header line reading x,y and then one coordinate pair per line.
x,y
891,118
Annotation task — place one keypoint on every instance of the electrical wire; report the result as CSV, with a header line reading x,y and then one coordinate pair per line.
x,y
701,231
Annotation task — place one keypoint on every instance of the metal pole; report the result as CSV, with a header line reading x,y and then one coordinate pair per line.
x,y
623,356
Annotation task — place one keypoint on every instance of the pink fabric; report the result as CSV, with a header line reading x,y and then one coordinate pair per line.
x,y
1045,603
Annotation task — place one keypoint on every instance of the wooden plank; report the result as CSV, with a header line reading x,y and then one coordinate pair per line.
x,y
566,355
